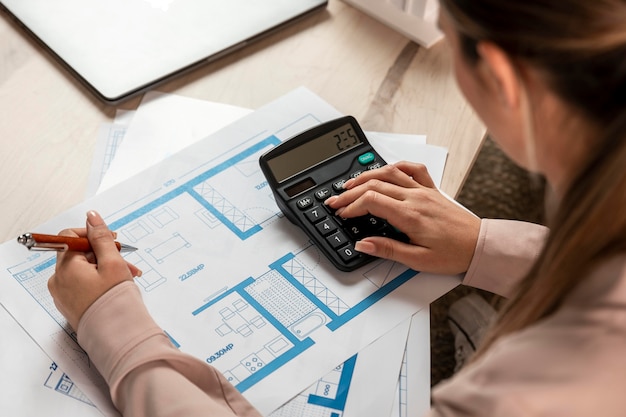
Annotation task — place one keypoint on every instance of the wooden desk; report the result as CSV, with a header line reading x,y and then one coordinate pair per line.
x,y
49,122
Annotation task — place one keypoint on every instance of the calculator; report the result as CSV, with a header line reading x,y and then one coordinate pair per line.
x,y
304,170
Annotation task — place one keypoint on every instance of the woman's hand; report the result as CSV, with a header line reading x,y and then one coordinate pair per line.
x,y
442,234
81,278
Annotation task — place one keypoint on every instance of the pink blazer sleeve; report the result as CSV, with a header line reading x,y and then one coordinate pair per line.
x,y
505,251
146,374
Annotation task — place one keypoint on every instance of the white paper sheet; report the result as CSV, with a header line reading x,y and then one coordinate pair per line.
x,y
412,397
379,395
32,384
326,394
163,125
333,396
344,391
199,213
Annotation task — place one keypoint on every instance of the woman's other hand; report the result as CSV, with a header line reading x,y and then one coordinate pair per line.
x,y
81,278
442,233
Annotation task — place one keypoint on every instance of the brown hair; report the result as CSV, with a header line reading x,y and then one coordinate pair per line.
x,y
581,47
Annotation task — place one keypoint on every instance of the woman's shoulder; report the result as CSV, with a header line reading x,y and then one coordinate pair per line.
x,y
571,363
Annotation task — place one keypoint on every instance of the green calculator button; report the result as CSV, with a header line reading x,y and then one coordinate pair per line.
x,y
366,158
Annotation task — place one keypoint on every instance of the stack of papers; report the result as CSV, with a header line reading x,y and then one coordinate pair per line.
x,y
202,208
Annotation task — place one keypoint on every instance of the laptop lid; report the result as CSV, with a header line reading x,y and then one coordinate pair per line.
x,y
122,47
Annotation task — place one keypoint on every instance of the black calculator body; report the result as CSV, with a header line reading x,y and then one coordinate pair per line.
x,y
305,170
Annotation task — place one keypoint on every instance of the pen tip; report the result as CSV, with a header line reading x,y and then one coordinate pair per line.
x,y
127,248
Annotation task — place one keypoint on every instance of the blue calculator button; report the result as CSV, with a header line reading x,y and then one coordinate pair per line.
x,y
366,158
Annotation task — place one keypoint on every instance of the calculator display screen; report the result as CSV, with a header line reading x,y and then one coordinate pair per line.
x,y
313,152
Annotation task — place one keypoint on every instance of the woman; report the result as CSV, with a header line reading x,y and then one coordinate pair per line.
x,y
548,78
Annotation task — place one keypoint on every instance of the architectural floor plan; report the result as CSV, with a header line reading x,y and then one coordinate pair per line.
x,y
228,278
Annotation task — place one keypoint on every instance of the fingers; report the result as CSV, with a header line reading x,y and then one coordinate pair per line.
x,y
104,248
74,232
389,173
418,172
134,271
65,257
101,238
379,200
102,243
80,232
382,248
375,197
404,174
416,257
392,181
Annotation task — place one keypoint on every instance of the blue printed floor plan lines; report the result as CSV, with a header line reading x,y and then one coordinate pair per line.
x,y
327,397
61,383
282,307
225,274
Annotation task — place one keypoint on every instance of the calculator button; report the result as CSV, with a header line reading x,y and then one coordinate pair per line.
x,y
326,227
375,166
304,202
381,224
322,194
355,230
373,222
360,227
356,174
337,240
338,185
366,158
315,214
348,253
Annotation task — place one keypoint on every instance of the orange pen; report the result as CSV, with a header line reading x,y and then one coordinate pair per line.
x,y
38,241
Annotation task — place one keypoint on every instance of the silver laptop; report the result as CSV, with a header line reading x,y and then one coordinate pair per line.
x,y
122,47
